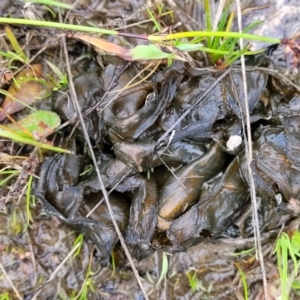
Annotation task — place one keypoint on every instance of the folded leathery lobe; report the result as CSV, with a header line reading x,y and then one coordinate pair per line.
x,y
220,104
61,196
142,156
214,212
102,231
112,171
291,126
276,168
88,91
143,210
58,178
181,191
133,126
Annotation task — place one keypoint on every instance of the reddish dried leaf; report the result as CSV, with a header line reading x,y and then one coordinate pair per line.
x,y
108,47
26,89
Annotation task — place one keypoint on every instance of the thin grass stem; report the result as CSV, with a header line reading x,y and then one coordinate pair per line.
x,y
190,34
153,37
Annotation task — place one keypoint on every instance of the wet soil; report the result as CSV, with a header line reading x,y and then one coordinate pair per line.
x,y
201,227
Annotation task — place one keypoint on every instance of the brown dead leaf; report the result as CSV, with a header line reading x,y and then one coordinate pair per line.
x,y
26,88
246,263
104,45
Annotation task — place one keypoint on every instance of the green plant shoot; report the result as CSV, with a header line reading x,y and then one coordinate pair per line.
x,y
164,268
283,249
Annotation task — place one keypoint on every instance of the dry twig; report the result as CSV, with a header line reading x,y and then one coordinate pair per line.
x,y
248,143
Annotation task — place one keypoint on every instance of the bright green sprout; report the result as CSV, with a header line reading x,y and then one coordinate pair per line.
x,y
11,173
87,286
78,243
62,78
113,263
244,281
287,247
4,296
164,268
193,281
244,252
29,200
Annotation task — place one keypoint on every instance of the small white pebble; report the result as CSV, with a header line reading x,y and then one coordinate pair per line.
x,y
278,198
233,142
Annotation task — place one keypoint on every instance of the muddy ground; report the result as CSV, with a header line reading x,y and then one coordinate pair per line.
x,y
202,228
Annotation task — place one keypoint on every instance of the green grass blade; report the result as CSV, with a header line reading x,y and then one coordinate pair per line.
x,y
190,48
229,43
251,26
6,179
156,24
244,252
296,285
232,58
148,52
192,34
296,242
56,25
153,37
224,18
51,3
282,262
30,141
113,263
12,56
208,21
28,199
164,268
244,281
15,44
55,69
221,26
79,243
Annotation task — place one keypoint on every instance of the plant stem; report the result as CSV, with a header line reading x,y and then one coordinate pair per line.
x,y
166,37
208,21
153,37
57,25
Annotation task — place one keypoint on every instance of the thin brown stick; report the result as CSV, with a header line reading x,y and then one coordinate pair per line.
x,y
249,160
277,74
169,169
10,282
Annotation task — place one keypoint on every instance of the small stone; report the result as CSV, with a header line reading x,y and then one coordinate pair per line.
x,y
233,142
